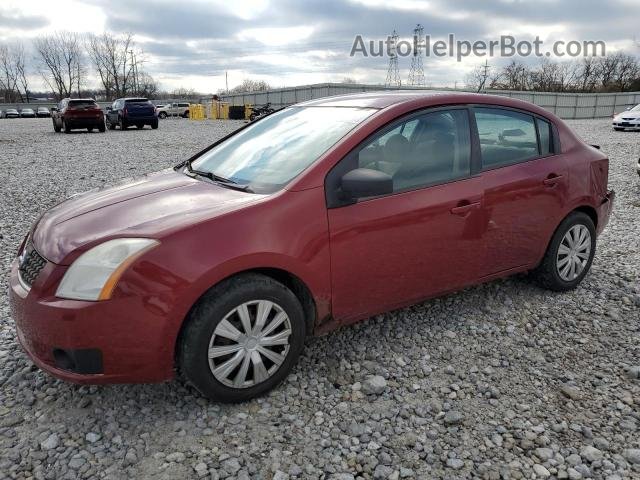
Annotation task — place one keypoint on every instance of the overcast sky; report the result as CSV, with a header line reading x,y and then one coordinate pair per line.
x,y
192,43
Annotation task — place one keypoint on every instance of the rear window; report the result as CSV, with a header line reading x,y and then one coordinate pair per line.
x,y
183,104
136,100
81,103
506,137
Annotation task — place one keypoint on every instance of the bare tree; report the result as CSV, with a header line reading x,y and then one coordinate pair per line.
x,y
62,63
249,85
147,86
8,74
118,64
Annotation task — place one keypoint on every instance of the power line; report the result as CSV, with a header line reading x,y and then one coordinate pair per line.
x,y
393,77
416,75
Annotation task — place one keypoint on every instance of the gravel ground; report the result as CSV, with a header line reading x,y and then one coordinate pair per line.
x,y
503,380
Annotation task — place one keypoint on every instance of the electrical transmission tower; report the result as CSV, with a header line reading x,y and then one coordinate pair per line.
x,y
393,77
416,76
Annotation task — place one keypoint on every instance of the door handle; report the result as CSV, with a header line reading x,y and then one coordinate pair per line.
x,y
464,209
552,180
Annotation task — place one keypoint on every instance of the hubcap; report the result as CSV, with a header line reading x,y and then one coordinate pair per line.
x,y
249,344
573,253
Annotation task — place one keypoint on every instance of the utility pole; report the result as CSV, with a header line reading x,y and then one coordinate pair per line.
x,y
134,66
226,81
393,77
416,76
485,74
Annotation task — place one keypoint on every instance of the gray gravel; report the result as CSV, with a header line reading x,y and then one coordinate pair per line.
x,y
503,380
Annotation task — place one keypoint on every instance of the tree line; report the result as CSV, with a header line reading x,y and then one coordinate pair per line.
x,y
618,72
66,60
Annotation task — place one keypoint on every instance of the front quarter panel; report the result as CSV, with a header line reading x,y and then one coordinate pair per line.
x,y
288,232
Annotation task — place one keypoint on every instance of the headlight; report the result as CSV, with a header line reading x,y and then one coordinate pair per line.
x,y
94,275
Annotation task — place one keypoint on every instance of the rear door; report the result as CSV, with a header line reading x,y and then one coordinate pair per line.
x,y
418,241
526,185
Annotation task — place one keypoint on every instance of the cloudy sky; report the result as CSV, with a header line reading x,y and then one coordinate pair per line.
x,y
192,43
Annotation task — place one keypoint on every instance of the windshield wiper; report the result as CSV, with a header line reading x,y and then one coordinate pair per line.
x,y
225,182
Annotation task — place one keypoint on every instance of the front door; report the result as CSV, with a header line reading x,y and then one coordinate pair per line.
x,y
420,240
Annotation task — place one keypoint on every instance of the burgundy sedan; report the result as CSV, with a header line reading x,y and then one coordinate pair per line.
x,y
314,217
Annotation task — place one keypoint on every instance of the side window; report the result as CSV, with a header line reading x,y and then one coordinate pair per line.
x,y
506,137
544,133
426,150
115,105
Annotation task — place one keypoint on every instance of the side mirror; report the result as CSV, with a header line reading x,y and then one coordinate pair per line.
x,y
54,109
365,182
108,109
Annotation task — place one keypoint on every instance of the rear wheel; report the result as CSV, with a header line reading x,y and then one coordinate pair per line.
x,y
65,127
242,338
569,255
154,124
123,125
89,129
101,127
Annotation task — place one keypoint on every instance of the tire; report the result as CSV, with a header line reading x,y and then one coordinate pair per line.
x,y
65,127
110,126
89,129
123,125
139,126
101,127
185,114
154,124
252,116
548,274
56,128
218,305
162,115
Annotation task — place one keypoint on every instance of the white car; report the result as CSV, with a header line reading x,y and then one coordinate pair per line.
x,y
629,119
177,109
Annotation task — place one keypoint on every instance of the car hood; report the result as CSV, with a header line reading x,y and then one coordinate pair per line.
x,y
629,114
152,206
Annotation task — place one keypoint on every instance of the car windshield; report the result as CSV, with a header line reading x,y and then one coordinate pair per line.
x,y
81,103
136,100
271,152
636,108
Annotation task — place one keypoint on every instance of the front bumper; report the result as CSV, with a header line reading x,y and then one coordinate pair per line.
x,y
604,210
122,340
626,124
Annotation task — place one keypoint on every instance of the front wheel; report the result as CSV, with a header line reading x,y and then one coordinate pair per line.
x,y
242,338
65,127
569,255
56,128
123,125
162,115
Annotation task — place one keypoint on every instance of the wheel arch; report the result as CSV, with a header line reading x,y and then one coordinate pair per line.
x,y
288,279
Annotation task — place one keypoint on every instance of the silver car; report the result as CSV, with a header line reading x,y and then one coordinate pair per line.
x,y
629,119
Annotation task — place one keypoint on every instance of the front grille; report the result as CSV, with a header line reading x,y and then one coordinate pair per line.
x,y
31,264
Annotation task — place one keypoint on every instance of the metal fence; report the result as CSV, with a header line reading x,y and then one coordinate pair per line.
x,y
564,105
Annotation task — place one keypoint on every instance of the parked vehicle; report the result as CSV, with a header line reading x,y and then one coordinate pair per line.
x,y
127,112
11,113
638,167
629,119
179,109
76,113
27,113
317,216
43,112
258,111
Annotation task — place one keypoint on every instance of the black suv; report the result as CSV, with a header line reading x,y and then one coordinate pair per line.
x,y
126,112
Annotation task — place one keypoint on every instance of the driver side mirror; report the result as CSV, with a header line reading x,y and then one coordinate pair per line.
x,y
365,182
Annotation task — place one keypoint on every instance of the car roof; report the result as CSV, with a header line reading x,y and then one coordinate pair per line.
x,y
384,99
